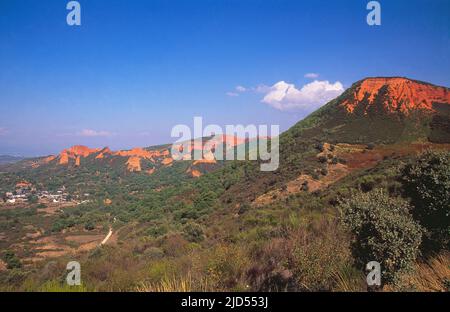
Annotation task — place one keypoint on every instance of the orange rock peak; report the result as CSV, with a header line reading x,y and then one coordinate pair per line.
x,y
401,94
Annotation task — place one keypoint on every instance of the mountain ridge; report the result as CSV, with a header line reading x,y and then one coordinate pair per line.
x,y
381,110
404,94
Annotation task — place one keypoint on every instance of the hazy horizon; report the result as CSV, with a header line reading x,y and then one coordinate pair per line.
x,y
131,72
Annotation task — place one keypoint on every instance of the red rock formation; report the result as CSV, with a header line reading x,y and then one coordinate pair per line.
x,y
77,161
80,150
63,158
23,184
75,152
204,161
134,164
103,152
167,161
134,156
42,161
403,95
48,159
195,173
137,152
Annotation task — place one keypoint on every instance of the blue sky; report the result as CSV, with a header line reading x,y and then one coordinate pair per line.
x,y
136,68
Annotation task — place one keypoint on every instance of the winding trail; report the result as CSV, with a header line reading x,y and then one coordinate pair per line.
x,y
107,237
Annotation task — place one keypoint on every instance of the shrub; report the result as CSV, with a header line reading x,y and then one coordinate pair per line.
x,y
157,230
193,232
322,159
305,186
33,199
320,147
12,261
384,231
243,208
427,182
89,225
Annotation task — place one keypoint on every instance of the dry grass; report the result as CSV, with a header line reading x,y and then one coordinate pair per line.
x,y
175,284
348,282
430,276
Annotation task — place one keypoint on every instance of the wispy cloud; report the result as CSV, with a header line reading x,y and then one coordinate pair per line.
x,y
3,131
241,89
312,75
237,90
287,97
93,133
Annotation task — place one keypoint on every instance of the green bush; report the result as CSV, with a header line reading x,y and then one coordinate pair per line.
x,y
157,230
322,159
12,261
384,231
193,232
89,225
305,186
427,182
33,199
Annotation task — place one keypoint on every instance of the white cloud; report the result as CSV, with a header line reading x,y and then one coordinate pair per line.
x,y
241,89
262,89
286,97
237,90
312,75
93,133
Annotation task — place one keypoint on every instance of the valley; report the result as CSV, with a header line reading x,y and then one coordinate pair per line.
x,y
137,220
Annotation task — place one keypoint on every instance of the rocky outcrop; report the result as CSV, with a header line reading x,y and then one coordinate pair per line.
x,y
395,95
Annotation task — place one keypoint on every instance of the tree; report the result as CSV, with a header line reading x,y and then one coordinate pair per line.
x,y
12,261
89,225
427,182
384,231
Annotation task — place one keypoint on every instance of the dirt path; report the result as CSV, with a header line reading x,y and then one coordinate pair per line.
x,y
107,236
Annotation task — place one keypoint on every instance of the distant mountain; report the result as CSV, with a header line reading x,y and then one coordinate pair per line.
x,y
383,110
7,159
208,209
393,95
83,168
138,160
393,113
374,110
